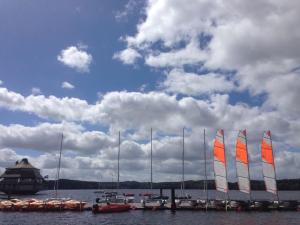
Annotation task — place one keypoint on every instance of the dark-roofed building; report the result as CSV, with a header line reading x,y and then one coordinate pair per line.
x,y
23,178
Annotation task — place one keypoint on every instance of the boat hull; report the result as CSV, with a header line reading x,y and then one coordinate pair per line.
x,y
111,208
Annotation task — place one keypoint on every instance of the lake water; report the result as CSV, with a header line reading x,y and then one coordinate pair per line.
x,y
155,217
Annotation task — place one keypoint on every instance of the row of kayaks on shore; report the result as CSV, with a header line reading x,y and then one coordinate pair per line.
x,y
52,204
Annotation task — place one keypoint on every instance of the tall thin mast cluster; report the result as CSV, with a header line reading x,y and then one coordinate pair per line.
x,y
219,163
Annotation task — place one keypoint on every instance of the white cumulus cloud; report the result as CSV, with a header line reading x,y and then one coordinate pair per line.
x,y
76,57
192,84
36,91
127,56
67,85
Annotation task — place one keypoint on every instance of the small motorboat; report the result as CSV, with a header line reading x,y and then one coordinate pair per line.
x,y
239,205
129,197
181,199
110,208
260,205
218,204
153,201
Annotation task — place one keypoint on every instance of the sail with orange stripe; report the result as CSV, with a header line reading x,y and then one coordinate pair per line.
x,y
220,162
268,163
242,162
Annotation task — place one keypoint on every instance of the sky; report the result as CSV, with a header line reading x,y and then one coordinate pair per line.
x,y
89,69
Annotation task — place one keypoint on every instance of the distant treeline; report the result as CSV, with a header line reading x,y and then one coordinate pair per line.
x,y
286,184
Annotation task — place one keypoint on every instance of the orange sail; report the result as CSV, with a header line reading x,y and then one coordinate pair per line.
x,y
242,162
268,163
220,162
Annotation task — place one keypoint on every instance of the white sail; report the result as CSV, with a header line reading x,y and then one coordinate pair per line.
x,y
220,162
268,163
242,163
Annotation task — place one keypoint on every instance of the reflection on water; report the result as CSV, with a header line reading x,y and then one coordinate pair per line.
x,y
155,217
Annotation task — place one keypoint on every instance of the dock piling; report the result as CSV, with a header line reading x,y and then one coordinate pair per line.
x,y
173,205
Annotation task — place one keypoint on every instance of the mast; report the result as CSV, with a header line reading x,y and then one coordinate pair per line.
x,y
226,193
250,197
182,182
119,148
277,196
59,163
205,173
151,177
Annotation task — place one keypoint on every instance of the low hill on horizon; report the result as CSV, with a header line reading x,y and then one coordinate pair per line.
x,y
284,184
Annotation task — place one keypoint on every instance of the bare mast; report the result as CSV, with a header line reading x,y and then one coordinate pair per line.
x,y
59,164
205,172
119,148
250,196
182,182
151,174
274,167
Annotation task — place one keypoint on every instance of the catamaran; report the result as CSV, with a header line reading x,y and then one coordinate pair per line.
x,y
242,163
220,170
242,170
267,156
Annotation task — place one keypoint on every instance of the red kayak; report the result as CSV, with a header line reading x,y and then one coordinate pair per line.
x,y
111,208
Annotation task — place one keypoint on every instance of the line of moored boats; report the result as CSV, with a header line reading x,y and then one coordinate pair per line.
x,y
109,202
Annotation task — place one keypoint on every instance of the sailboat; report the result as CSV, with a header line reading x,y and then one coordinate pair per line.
x,y
184,199
204,203
149,199
242,169
242,163
113,202
269,172
220,167
62,203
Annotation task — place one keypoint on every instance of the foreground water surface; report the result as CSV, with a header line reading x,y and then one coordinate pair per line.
x,y
155,217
